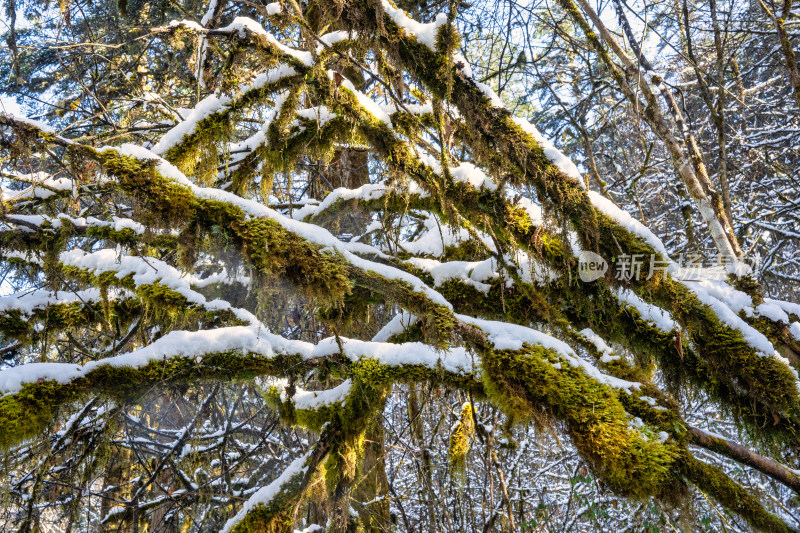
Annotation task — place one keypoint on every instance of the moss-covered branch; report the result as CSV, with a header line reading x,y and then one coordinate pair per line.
x,y
528,385
733,496
729,355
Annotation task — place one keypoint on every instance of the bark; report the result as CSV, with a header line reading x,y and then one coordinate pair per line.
x,y
786,45
373,487
715,109
723,237
425,468
720,114
746,456
690,143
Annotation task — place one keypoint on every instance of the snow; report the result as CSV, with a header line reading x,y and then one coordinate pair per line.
x,y
253,339
42,186
728,302
489,93
273,8
247,146
464,172
174,344
12,379
472,272
787,307
435,238
46,128
534,210
313,528
647,399
164,167
310,232
315,399
773,312
733,298
220,277
397,325
329,39
188,24
415,109
144,271
606,351
265,494
739,301
754,338
31,220
212,104
556,157
366,192
424,33
30,301
26,257
147,271
117,223
656,316
794,329
242,25
365,101
505,336
364,249
320,114
724,300
469,173
212,5
455,360
607,207
531,270
120,224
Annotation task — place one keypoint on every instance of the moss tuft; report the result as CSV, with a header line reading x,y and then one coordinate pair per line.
x,y
461,438
527,383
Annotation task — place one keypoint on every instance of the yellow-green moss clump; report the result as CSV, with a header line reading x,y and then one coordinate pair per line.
x,y
730,494
527,385
28,412
461,438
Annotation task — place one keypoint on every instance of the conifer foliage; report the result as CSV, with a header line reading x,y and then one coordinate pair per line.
x,y
247,236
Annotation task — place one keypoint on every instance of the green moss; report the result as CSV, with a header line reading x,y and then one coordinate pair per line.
x,y
492,131
200,146
527,385
13,325
436,320
486,209
724,348
276,515
730,494
59,318
28,412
